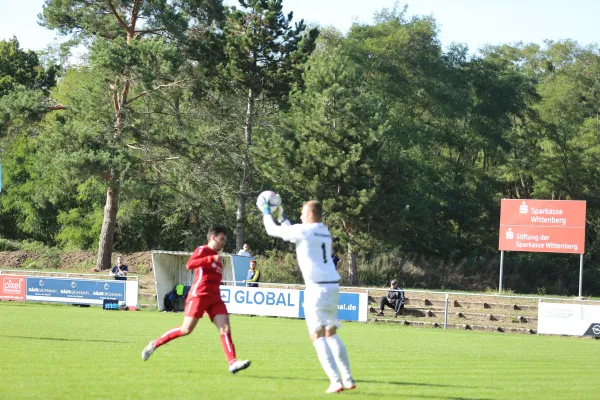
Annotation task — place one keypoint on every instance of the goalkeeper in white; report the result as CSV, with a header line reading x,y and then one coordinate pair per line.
x,y
313,249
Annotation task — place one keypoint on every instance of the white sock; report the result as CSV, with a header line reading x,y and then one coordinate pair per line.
x,y
340,354
326,358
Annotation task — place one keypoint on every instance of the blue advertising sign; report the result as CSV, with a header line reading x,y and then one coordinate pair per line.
x,y
348,306
81,291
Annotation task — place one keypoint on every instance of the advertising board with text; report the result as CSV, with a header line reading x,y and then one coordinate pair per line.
x,y
81,291
351,306
13,287
255,301
551,226
568,319
287,303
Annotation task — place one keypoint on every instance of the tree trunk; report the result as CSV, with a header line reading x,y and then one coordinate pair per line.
x,y
240,226
352,266
105,244
246,175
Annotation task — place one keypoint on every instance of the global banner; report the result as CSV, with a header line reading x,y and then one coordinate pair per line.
x,y
13,287
287,303
258,301
80,291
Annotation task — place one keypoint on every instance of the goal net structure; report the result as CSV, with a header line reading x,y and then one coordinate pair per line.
x,y
169,271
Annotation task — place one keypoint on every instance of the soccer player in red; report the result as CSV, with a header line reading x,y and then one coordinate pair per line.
x,y
205,297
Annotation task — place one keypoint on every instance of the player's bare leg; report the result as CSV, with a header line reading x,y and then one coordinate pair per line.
x,y
222,323
189,323
341,357
327,360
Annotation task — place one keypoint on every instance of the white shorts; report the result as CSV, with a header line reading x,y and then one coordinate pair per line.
x,y
320,306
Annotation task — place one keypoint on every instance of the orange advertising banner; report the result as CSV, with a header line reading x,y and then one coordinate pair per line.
x,y
12,287
551,226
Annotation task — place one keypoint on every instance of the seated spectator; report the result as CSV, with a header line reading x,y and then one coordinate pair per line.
x,y
120,270
245,251
394,299
253,275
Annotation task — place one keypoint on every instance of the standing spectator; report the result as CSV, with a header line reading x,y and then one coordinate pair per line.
x,y
336,260
205,296
245,251
394,299
253,275
313,250
120,270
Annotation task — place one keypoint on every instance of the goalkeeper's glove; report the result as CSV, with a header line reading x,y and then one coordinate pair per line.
x,y
280,213
263,205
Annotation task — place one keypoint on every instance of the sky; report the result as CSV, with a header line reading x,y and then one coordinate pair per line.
x,y
473,22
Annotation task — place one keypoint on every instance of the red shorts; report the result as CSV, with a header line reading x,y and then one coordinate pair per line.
x,y
195,307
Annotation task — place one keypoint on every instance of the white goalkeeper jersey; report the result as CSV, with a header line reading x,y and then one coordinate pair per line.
x,y
313,248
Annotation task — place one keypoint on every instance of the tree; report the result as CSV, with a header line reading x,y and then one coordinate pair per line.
x,y
137,49
23,68
24,90
264,56
326,147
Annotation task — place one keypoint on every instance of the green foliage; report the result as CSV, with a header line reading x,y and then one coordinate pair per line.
x,y
19,109
45,257
79,230
9,245
261,58
326,145
264,52
25,200
23,68
279,268
97,18
116,118
142,270
24,85
149,60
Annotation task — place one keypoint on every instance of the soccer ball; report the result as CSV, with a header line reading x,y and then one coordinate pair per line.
x,y
273,198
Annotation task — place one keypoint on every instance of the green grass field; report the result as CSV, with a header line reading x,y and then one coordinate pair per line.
x,y
66,352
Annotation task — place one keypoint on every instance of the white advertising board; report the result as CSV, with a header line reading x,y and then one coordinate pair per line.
x,y
287,303
568,319
256,301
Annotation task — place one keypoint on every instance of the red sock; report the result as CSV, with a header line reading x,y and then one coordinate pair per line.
x,y
228,348
167,337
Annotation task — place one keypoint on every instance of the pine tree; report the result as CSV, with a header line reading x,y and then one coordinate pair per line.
x,y
136,49
326,148
264,56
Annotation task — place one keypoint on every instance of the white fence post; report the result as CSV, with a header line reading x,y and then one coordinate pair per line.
x,y
446,313
581,276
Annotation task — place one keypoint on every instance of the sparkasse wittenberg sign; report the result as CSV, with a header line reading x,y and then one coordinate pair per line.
x,y
552,226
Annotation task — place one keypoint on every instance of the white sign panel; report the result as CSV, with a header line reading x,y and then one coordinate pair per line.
x,y
569,319
259,301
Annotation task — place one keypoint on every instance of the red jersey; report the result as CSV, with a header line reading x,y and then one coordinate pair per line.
x,y
209,272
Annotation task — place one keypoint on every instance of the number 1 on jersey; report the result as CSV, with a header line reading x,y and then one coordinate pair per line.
x,y
324,253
